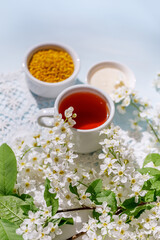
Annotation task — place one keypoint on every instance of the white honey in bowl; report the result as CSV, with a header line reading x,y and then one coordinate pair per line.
x,y
109,76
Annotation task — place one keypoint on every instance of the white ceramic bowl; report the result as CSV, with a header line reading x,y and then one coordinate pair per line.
x,y
110,75
45,89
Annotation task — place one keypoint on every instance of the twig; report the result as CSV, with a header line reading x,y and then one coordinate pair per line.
x,y
75,209
76,236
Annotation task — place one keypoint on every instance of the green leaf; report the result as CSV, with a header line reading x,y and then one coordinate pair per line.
x,y
137,211
153,184
29,204
150,171
50,198
8,170
8,231
66,221
94,188
73,189
150,196
10,209
61,221
129,203
96,215
109,197
147,185
152,157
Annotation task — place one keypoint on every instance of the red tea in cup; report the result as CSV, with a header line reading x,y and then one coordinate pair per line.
x,y
91,109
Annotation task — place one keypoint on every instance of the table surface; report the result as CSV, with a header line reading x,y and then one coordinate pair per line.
x,y
99,30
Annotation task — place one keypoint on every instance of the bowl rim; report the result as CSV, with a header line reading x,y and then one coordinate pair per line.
x,y
35,48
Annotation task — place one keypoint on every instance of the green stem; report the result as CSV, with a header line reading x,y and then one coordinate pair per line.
x,y
147,121
114,155
28,151
83,184
153,130
112,152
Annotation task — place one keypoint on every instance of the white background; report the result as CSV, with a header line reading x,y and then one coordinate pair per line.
x,y
112,30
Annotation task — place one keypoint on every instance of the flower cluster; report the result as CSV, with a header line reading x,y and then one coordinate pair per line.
x,y
34,227
125,201
118,169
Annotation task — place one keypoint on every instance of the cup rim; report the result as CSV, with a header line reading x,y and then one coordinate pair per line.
x,y
107,97
71,51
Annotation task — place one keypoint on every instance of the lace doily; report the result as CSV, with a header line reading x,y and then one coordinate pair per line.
x,y
19,107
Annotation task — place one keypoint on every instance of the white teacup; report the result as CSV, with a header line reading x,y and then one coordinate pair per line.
x,y
85,140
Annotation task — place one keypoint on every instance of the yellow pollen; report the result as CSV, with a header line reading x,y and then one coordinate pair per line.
x,y
54,171
126,161
69,179
133,181
88,227
46,212
37,136
122,231
84,197
147,220
104,224
63,129
42,234
56,124
27,169
110,165
120,173
136,193
34,158
48,142
33,219
119,222
68,197
48,155
61,172
22,163
35,144
27,184
57,189
26,230
53,229
115,229
119,195
56,159
50,131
